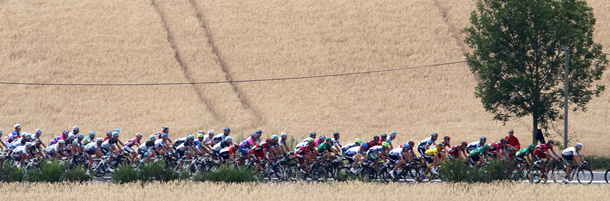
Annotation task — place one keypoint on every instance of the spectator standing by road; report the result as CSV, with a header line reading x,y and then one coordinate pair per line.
x,y
512,142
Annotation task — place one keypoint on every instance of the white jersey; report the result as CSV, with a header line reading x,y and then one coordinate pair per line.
x,y
183,146
159,143
52,149
302,144
207,139
353,151
474,145
217,147
20,150
15,143
106,144
91,147
570,151
426,142
396,152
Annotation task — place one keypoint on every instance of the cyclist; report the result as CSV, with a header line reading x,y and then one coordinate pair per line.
x,y
542,153
93,148
325,149
498,150
458,151
384,138
56,151
161,146
283,145
303,154
478,156
568,156
37,134
400,156
426,143
372,143
199,144
220,137
392,137
147,149
219,146
185,150
75,130
208,140
311,135
89,138
63,136
244,146
354,156
320,140
37,149
22,153
16,134
228,153
476,144
378,153
524,156
357,143
133,142
110,147
431,155
18,142
335,140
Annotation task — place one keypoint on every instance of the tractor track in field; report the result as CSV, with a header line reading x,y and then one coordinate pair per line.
x,y
453,30
183,66
225,68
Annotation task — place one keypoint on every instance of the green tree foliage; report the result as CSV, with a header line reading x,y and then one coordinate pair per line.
x,y
517,55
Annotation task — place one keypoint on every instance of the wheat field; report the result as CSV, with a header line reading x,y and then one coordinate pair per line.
x,y
303,191
151,41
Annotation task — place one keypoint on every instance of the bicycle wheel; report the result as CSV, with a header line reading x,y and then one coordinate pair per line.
x,y
584,176
607,176
275,172
318,174
384,175
535,176
558,174
292,173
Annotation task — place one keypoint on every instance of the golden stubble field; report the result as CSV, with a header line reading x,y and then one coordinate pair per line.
x,y
303,191
144,41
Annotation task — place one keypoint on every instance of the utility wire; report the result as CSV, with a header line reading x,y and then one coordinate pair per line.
x,y
232,81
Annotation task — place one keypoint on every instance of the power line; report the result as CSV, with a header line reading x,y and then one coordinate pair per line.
x,y
233,81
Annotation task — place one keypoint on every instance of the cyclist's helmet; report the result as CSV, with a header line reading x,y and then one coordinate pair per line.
x,y
312,135
27,136
80,136
258,132
252,134
376,138
201,132
393,133
411,143
385,144
322,137
91,133
531,147
364,145
151,137
335,133
229,139
483,139
284,134
434,135
384,135
464,144
164,128
310,139
17,126
190,137
486,147
115,134
447,138
405,146
109,133
75,128
138,134
440,145
550,142
502,141
38,131
578,145
275,137
99,139
65,132
61,142
116,130
200,135
358,141
226,129
329,140
211,132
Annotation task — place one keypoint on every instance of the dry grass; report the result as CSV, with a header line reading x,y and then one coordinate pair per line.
x,y
127,42
296,191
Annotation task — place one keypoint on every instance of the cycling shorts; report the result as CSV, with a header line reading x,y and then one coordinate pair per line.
x,y
394,159
567,158
128,149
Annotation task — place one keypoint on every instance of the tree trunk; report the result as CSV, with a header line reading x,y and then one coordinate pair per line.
x,y
534,127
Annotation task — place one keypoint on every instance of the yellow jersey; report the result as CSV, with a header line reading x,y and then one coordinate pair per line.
x,y
433,151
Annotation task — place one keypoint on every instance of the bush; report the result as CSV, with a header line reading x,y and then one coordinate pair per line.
x,y
125,173
50,172
230,175
157,171
10,173
495,170
598,162
77,174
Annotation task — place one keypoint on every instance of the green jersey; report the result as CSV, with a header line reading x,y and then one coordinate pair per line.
x,y
523,152
477,152
323,147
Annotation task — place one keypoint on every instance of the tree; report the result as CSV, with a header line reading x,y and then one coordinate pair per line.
x,y
516,52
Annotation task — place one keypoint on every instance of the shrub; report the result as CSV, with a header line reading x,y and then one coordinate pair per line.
x,y
157,171
598,162
77,174
53,171
125,173
495,170
10,173
230,175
